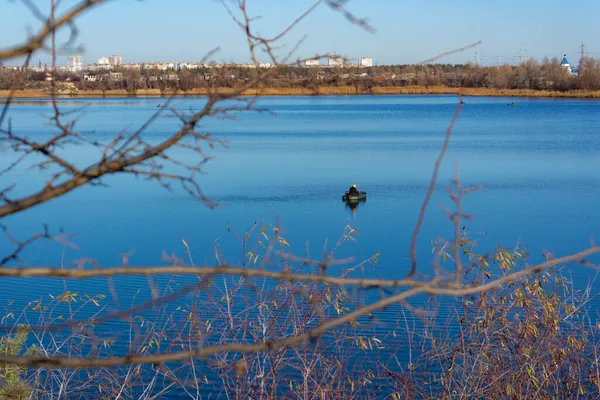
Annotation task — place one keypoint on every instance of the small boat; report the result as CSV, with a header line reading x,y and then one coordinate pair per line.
x,y
511,104
358,197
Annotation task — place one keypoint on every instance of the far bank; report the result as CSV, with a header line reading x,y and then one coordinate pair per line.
x,y
321,91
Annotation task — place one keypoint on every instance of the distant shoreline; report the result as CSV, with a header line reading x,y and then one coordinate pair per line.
x,y
322,91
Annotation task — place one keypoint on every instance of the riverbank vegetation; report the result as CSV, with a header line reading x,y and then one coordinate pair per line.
x,y
70,92
532,337
531,78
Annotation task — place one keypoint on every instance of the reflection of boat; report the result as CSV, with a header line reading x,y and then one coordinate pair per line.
x,y
352,205
352,198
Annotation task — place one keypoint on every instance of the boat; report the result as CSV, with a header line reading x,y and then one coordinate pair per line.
x,y
360,196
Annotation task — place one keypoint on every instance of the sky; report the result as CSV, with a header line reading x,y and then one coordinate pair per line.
x,y
407,31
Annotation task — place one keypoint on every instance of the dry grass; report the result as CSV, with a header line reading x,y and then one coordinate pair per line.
x,y
322,91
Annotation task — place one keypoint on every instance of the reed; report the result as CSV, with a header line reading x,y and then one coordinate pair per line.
x,y
322,91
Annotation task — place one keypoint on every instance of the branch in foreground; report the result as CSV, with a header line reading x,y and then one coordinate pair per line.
x,y
37,41
125,160
31,272
432,182
431,288
444,54
22,244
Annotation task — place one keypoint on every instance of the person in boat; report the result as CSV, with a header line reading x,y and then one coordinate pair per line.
x,y
353,191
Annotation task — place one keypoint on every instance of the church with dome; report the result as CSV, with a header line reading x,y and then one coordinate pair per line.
x,y
565,64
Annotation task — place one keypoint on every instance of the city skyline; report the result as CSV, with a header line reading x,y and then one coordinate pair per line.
x,y
75,63
162,33
330,61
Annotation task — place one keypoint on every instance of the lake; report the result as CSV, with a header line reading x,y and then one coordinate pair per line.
x,y
538,162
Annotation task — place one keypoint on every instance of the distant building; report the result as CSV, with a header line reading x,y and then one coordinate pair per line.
x,y
74,63
134,66
103,61
565,64
312,62
38,68
163,66
185,65
335,62
115,61
91,77
98,67
365,62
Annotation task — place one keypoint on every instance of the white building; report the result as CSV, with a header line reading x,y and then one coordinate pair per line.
x,y
365,62
133,66
103,61
335,62
185,65
98,67
90,77
163,66
74,63
311,62
565,64
115,61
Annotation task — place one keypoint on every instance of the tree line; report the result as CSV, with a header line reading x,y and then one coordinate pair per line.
x,y
545,75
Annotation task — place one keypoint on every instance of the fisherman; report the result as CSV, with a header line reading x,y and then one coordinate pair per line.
x,y
353,191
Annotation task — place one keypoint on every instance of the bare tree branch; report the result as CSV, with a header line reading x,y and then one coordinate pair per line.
x,y
431,188
37,42
446,53
431,288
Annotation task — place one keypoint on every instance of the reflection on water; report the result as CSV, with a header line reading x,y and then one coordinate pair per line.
x,y
353,205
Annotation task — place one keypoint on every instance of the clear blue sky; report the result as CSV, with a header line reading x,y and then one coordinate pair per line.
x,y
407,31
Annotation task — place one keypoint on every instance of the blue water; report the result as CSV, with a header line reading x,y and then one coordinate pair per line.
x,y
538,162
